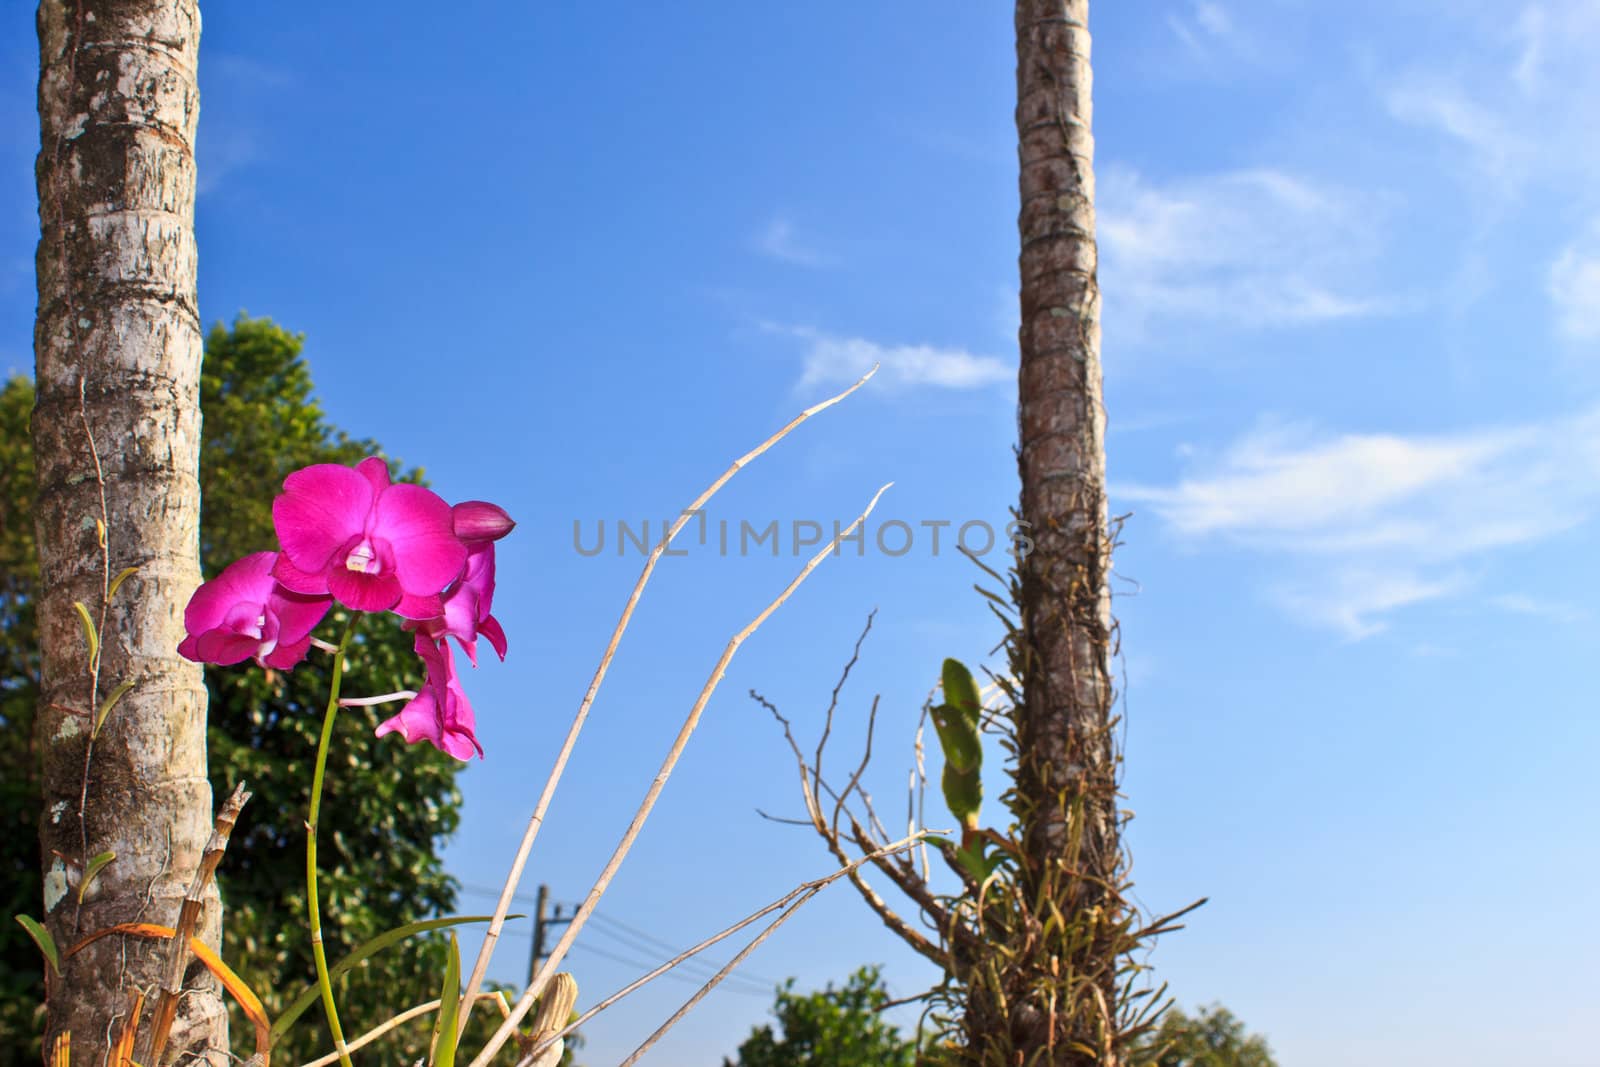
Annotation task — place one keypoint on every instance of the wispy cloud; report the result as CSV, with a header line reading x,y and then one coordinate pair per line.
x,y
1518,94
1378,522
1209,33
777,240
1439,103
1520,604
221,153
1253,248
1575,287
831,360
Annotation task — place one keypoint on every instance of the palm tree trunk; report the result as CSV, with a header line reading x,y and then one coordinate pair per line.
x,y
1067,760
116,433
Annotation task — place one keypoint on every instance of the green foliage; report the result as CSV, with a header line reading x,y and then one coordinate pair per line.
x,y
1212,1038
21,966
387,805
956,721
830,1028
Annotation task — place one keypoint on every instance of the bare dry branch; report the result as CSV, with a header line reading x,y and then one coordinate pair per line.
x,y
188,916
525,1002
398,1021
910,841
514,876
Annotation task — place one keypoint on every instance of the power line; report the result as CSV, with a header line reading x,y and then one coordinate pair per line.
x,y
705,969
607,923
730,987
619,930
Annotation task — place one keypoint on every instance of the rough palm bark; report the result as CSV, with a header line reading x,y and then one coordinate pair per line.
x,y
1067,764
117,348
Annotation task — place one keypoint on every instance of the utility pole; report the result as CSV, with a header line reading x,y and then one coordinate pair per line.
x,y
541,923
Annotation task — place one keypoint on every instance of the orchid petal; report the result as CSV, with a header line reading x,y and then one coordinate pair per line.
x,y
297,614
364,592
490,628
224,648
423,608
246,580
416,523
296,580
376,472
286,656
320,509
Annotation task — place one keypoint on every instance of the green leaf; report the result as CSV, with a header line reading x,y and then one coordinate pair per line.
x,y
444,1025
963,793
960,691
116,583
309,996
960,743
89,633
976,863
92,870
106,705
42,938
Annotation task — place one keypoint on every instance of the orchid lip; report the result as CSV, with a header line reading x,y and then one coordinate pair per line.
x,y
362,559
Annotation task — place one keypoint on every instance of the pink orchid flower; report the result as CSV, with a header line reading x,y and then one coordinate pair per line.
x,y
439,714
243,613
466,607
372,545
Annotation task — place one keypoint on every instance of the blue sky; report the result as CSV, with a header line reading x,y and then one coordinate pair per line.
x,y
576,262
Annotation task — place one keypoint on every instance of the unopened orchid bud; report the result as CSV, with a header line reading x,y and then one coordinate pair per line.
x,y
479,520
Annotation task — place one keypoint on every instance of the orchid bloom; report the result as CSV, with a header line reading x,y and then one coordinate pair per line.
x,y
439,714
466,607
372,545
243,613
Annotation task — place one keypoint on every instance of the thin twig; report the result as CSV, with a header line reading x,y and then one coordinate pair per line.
x,y
833,703
679,743
783,901
188,917
830,837
398,1021
514,876
713,981
103,537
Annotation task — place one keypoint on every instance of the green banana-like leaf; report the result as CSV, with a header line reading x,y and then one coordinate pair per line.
x,y
959,739
963,793
960,691
444,1024
308,997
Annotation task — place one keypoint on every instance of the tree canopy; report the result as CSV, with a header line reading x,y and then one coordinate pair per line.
x,y
1212,1037
834,1027
386,809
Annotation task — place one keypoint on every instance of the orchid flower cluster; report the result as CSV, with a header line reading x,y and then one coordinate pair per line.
x,y
351,535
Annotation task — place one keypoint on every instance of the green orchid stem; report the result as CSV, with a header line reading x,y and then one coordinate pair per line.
x,y
312,906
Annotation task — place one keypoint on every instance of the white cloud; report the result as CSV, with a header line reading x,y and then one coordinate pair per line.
x,y
1216,42
1371,523
1442,105
1252,248
1521,604
1519,91
1575,287
833,360
777,240
1354,600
